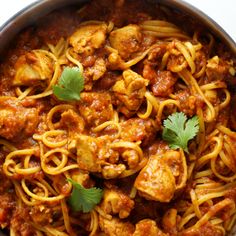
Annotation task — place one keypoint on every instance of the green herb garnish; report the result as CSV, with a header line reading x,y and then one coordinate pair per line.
x,y
70,84
83,199
178,131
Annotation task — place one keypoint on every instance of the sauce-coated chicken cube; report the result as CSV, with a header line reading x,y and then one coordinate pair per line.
x,y
15,119
126,40
88,38
33,68
156,181
116,227
116,202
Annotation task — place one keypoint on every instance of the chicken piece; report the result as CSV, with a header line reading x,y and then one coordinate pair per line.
x,y
147,227
72,121
178,166
130,92
87,158
156,181
95,108
131,157
33,68
126,40
217,69
173,160
169,221
88,37
162,176
81,177
156,53
15,119
95,155
158,147
136,129
116,202
115,62
162,82
187,102
112,171
97,70
115,227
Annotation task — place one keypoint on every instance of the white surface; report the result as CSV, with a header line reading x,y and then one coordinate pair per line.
x,y
221,11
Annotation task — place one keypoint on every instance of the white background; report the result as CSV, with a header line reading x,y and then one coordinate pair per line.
x,y
222,11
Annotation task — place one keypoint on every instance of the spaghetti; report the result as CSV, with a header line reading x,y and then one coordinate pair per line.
x,y
138,68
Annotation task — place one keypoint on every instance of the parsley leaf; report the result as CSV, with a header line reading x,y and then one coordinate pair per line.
x,y
178,131
70,84
83,199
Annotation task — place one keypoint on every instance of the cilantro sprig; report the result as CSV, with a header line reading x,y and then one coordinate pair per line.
x,y
70,84
83,199
178,130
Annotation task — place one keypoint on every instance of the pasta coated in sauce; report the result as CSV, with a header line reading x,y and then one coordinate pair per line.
x,y
139,67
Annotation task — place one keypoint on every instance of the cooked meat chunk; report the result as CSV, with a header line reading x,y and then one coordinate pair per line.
x,y
147,227
95,108
115,227
130,92
158,147
88,38
96,71
87,158
162,176
187,102
81,177
169,221
217,69
94,154
15,119
33,68
156,53
112,171
178,166
136,129
161,82
131,157
72,121
116,202
126,40
173,160
156,181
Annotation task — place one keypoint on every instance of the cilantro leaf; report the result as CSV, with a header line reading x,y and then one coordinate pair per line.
x,y
70,84
83,199
178,131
